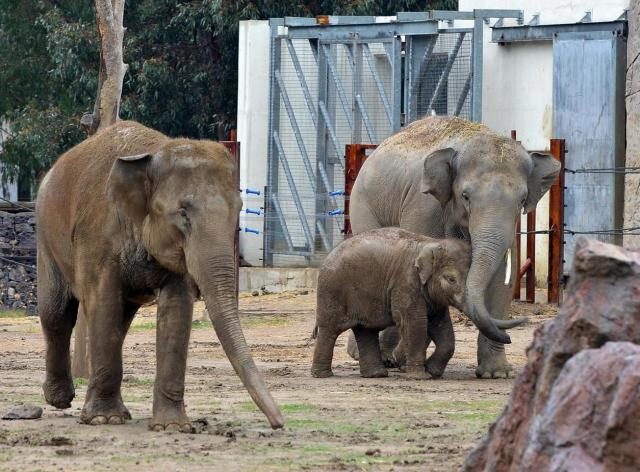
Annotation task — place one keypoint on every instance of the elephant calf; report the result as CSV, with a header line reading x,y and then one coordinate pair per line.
x,y
390,276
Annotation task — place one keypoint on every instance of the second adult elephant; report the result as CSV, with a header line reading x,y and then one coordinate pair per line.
x,y
446,176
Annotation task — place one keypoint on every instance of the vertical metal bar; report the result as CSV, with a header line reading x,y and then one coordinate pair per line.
x,y
323,132
356,87
517,256
378,82
531,255
396,64
444,77
294,190
556,226
274,126
476,54
296,130
302,80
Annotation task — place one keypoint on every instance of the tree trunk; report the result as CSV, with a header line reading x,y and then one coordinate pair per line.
x,y
109,16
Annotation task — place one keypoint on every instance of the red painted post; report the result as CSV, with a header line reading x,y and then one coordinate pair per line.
x,y
531,257
233,147
355,155
556,226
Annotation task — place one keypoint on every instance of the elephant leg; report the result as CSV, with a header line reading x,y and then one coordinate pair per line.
x,y
323,353
352,347
58,314
414,340
371,364
492,359
440,330
389,338
108,319
175,312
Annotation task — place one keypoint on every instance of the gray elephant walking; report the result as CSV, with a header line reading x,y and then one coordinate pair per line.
x,y
445,176
124,216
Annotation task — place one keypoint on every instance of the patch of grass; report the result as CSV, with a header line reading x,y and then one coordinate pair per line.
x,y
475,417
129,382
143,326
459,405
13,313
135,398
80,382
202,324
285,408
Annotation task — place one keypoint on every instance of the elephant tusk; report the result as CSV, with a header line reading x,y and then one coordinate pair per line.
x,y
507,273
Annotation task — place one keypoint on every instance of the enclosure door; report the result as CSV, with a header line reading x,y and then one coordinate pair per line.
x,y
588,112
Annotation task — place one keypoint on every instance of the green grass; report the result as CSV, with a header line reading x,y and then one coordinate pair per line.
x,y
80,382
323,425
13,313
144,326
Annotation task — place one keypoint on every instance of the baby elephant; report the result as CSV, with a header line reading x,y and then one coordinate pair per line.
x,y
390,276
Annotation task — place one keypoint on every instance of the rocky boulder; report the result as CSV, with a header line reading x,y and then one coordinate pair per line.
x,y
576,405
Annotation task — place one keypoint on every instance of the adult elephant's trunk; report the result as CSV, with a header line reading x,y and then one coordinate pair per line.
x,y
492,234
212,270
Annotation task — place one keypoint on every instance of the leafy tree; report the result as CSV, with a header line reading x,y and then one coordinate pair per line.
x,y
182,58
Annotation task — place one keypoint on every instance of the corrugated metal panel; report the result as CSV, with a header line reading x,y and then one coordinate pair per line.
x,y
588,112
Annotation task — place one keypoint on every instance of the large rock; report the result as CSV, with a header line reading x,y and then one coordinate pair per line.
x,y
561,415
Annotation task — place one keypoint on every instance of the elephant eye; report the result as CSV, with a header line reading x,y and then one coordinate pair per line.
x,y
451,279
465,196
182,212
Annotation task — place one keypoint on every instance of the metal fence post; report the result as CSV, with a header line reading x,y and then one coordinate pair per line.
x,y
556,226
476,54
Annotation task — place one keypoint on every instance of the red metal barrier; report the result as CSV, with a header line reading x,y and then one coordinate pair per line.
x,y
355,155
233,147
556,226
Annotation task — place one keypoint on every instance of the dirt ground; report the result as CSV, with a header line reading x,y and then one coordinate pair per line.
x,y
341,423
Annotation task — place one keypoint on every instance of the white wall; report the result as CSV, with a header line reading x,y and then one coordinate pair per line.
x,y
517,88
253,124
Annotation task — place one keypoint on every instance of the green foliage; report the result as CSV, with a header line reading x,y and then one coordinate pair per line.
x,y
182,58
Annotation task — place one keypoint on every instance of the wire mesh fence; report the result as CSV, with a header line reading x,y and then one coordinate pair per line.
x,y
327,93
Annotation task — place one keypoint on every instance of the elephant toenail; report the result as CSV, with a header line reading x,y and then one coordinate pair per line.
x,y
98,420
157,427
172,428
116,420
187,428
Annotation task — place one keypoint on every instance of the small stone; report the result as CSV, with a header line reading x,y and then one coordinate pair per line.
x,y
64,452
11,292
373,452
255,293
23,412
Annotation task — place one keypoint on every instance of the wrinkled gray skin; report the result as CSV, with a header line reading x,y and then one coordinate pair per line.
x,y
445,176
391,277
126,216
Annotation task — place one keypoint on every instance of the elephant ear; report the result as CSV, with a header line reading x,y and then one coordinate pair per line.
x,y
545,172
426,260
129,185
438,174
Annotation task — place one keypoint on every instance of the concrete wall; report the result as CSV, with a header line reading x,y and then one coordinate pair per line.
x,y
632,182
517,84
253,124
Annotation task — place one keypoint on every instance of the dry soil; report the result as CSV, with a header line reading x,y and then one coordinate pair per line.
x,y
341,423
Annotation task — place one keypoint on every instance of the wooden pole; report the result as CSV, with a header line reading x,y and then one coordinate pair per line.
x,y
531,256
556,226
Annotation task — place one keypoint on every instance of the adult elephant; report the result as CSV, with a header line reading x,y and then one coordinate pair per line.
x,y
123,217
446,176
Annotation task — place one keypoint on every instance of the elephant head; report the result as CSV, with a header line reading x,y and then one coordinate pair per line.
x,y
483,186
182,202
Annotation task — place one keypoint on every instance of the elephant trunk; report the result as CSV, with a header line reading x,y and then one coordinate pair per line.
x,y
213,272
490,239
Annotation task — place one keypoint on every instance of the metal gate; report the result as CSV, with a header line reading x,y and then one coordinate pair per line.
x,y
333,85
588,112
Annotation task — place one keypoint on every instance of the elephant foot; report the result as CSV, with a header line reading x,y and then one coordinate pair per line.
x,y
59,393
171,419
435,369
375,372
321,373
417,372
107,411
494,369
